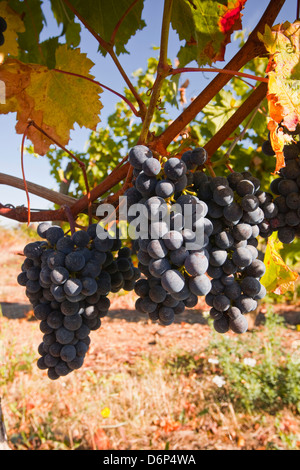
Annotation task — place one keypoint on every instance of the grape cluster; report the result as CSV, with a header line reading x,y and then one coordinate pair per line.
x,y
173,260
286,188
3,27
237,209
68,280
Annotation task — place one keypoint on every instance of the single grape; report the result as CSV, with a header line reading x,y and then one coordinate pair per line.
x,y
239,324
174,168
138,155
80,238
166,315
196,263
172,281
3,24
165,189
53,234
199,156
200,285
221,325
151,167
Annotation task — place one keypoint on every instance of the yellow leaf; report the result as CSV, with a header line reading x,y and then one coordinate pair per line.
x,y
283,45
55,101
14,26
279,278
105,413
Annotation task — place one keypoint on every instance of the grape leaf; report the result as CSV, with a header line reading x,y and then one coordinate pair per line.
x,y
279,278
220,110
103,16
28,40
206,27
15,25
54,101
283,45
30,49
65,17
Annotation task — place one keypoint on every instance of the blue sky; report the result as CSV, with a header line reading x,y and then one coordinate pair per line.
x,y
37,169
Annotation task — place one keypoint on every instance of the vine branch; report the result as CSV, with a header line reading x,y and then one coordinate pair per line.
x,y
20,214
242,134
162,70
234,121
110,181
41,191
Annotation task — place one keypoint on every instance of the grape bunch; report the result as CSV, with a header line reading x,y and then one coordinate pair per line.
x,y
172,258
68,280
237,209
3,27
286,188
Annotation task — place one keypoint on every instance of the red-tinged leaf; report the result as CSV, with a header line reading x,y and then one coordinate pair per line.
x,y
277,138
103,17
231,20
283,44
206,27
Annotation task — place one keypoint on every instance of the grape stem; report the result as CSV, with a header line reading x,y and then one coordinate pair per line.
x,y
133,109
23,171
163,69
210,169
70,218
229,168
81,164
213,69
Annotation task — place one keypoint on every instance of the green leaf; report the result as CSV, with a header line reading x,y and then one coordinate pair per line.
x,y
73,34
33,18
206,27
45,54
65,17
103,17
220,110
30,49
